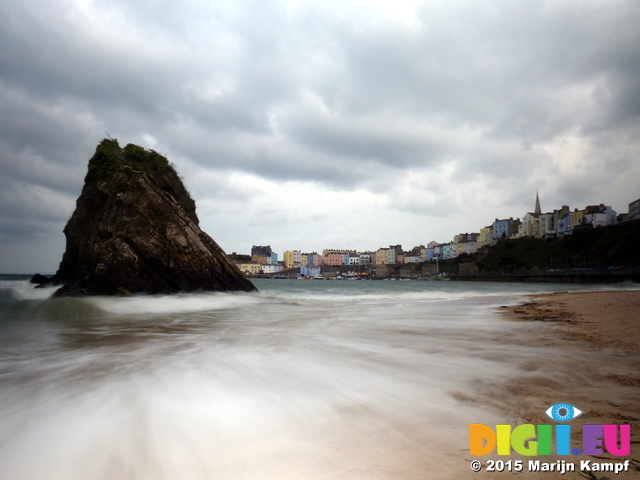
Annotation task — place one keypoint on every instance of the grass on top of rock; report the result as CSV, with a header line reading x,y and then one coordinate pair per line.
x,y
106,162
146,160
110,157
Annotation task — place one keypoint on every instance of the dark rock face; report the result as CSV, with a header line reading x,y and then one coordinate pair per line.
x,y
40,279
135,230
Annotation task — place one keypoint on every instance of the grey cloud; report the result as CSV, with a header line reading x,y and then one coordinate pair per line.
x,y
29,212
29,168
502,66
35,202
383,139
435,208
270,156
46,141
52,56
16,230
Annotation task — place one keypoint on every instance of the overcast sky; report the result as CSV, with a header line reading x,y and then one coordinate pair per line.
x,y
320,124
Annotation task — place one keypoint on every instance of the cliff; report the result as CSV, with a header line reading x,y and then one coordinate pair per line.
x,y
602,247
135,230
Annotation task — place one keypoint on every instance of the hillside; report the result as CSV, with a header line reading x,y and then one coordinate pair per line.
x,y
604,247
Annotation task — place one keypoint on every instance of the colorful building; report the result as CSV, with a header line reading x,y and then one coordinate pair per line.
x,y
251,268
486,235
260,258
310,270
505,228
292,258
314,259
333,258
382,256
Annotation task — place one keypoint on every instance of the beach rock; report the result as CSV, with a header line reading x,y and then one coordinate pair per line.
x,y
135,230
40,279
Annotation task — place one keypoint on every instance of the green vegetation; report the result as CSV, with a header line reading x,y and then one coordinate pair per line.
x,y
240,258
150,161
603,247
109,158
106,162
511,254
451,266
613,246
147,161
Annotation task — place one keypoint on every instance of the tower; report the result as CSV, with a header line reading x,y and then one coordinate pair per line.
x,y
537,210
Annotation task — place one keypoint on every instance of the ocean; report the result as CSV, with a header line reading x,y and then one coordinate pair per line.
x,y
302,380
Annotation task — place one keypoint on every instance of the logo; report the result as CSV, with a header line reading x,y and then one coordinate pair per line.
x,y
532,440
563,412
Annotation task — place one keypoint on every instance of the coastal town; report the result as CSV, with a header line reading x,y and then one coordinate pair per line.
x,y
422,261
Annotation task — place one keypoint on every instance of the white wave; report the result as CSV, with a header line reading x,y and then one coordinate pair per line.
x,y
23,290
274,402
171,304
310,383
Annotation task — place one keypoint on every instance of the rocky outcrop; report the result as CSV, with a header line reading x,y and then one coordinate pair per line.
x,y
40,279
135,230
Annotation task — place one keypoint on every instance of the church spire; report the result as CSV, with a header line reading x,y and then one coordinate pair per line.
x,y
537,210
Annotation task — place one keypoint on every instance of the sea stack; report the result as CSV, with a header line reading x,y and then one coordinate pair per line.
x,y
135,230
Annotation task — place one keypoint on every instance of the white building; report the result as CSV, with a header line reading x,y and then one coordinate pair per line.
x,y
272,268
596,219
545,221
470,247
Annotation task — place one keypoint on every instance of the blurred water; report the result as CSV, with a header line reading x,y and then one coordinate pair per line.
x,y
305,379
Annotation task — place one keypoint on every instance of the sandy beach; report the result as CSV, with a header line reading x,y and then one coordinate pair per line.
x,y
591,359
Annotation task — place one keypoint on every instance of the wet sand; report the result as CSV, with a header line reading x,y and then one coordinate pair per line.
x,y
589,357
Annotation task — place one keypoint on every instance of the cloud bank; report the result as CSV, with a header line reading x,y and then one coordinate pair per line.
x,y
305,124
